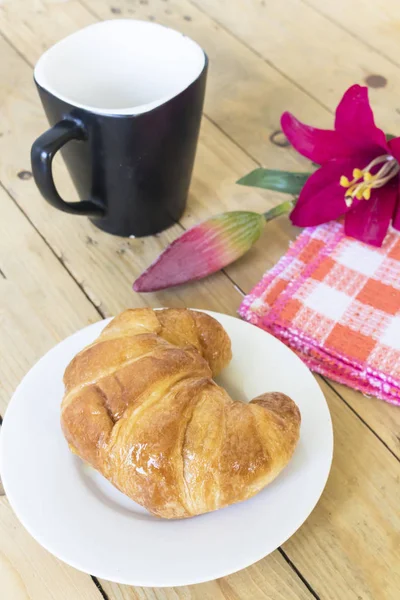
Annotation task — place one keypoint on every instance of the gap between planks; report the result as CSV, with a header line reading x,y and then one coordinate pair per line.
x,y
59,258
350,32
253,51
99,587
329,384
298,573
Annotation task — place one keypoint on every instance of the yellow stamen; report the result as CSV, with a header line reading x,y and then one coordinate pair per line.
x,y
364,181
351,191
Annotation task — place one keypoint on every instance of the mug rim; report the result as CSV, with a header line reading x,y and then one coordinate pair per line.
x,y
132,111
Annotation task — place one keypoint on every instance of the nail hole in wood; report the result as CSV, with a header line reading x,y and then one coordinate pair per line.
x,y
24,175
90,241
376,81
278,138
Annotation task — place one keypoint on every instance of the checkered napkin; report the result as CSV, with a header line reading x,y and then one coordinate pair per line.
x,y
336,303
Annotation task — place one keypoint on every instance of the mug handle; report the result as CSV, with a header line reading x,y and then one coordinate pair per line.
x,y
42,153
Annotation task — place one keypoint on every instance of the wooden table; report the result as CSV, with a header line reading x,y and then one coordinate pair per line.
x,y
58,273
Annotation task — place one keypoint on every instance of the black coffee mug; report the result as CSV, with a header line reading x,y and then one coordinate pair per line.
x,y
124,99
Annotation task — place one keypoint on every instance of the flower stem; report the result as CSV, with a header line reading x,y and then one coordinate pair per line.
x,y
282,209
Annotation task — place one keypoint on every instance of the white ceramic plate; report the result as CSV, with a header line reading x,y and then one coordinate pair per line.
x,y
82,519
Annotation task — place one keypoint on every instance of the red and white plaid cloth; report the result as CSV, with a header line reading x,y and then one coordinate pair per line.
x,y
336,302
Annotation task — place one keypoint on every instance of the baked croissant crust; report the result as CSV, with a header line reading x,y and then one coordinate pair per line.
x,y
141,407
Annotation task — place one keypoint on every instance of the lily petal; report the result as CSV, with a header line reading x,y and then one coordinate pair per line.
x,y
322,197
396,216
370,219
354,121
318,145
394,148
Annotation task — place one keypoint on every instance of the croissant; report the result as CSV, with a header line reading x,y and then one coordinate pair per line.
x,y
141,407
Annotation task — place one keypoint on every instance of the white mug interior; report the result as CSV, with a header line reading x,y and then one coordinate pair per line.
x,y
123,67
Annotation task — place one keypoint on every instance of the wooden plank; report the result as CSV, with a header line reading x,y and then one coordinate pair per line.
x,y
341,555
350,545
313,52
28,572
376,24
383,418
250,117
40,302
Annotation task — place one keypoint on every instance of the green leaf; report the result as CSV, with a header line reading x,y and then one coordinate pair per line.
x,y
279,181
390,136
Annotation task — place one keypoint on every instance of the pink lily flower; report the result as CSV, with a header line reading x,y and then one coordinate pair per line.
x,y
359,173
